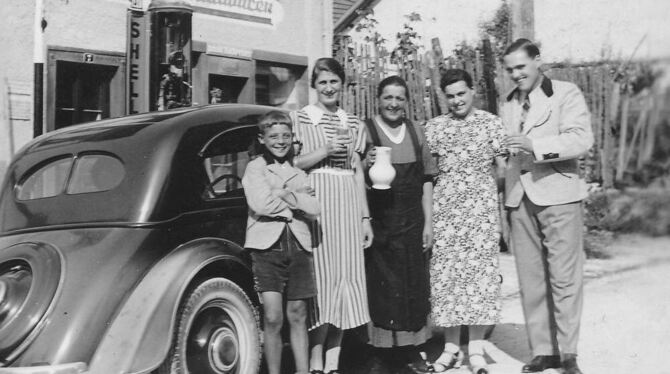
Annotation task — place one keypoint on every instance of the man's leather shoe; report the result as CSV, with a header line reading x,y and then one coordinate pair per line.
x,y
540,363
570,366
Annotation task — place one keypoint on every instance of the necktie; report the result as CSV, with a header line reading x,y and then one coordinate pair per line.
x,y
524,112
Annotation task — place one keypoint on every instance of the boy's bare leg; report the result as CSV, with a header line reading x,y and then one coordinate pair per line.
x,y
273,319
296,313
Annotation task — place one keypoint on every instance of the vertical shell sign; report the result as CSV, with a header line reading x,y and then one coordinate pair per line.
x,y
267,12
137,88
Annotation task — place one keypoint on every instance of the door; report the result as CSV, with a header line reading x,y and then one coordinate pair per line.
x,y
83,86
82,92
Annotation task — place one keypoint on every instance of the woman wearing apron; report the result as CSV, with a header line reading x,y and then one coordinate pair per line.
x,y
396,268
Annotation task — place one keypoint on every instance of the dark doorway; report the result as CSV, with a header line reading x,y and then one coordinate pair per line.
x,y
82,92
225,88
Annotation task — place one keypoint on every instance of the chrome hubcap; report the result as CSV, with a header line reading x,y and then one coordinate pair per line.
x,y
213,345
223,350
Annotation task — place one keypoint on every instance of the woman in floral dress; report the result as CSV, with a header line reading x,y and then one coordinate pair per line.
x,y
465,281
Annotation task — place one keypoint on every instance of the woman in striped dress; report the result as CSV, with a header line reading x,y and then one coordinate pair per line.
x,y
329,141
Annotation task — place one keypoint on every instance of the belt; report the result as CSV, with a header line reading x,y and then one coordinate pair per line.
x,y
280,219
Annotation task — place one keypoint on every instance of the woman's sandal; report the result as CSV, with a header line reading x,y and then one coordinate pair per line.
x,y
478,364
448,360
420,367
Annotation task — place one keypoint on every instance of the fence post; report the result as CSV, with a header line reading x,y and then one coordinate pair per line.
x,y
489,67
436,74
623,135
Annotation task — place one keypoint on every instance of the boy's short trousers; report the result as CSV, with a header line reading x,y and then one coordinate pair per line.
x,y
284,267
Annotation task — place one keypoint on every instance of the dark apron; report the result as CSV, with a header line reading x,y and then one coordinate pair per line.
x,y
397,277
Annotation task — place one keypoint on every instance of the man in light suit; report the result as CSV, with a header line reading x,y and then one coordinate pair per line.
x,y
549,128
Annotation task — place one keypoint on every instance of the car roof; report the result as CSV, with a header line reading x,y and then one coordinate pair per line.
x,y
134,128
160,151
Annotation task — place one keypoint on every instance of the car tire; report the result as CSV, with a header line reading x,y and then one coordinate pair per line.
x,y
217,332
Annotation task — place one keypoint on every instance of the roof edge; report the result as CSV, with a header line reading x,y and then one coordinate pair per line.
x,y
351,16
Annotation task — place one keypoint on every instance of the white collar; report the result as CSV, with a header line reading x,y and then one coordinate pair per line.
x,y
315,113
397,139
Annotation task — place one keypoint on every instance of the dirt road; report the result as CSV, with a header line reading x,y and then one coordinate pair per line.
x,y
625,323
626,318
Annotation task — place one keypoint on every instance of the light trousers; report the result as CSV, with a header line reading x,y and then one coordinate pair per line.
x,y
547,243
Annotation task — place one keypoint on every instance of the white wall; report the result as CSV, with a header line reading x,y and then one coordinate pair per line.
x,y
305,30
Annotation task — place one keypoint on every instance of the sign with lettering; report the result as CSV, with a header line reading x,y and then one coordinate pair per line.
x,y
269,12
137,89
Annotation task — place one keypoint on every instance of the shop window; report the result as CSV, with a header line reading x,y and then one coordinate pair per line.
x,y
276,84
46,181
82,92
171,53
225,89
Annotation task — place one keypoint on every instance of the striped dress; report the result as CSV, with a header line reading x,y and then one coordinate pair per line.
x,y
339,256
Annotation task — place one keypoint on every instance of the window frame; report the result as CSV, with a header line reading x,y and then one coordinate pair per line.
x,y
205,162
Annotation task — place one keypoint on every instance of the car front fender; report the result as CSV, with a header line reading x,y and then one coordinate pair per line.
x,y
139,338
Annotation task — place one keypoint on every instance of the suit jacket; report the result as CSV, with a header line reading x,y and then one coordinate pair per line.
x,y
268,213
559,125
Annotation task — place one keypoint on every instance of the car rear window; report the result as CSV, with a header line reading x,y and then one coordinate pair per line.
x,y
47,181
95,173
91,173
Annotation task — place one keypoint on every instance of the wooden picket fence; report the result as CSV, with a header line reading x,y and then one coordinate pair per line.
x,y
365,66
616,150
600,92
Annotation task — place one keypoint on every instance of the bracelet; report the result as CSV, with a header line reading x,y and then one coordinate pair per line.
x,y
368,218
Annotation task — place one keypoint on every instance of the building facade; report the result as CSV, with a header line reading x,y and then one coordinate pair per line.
x,y
107,58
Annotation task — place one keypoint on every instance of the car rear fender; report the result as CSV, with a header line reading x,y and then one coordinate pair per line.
x,y
139,338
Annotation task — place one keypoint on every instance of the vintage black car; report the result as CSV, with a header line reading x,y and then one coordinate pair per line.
x,y
121,247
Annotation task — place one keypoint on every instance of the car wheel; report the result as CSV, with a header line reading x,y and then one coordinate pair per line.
x,y
217,332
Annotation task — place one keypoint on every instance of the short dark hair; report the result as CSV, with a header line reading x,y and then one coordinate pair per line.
x,y
273,117
327,64
452,76
531,49
393,80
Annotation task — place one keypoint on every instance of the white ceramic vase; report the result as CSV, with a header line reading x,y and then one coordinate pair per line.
x,y
382,172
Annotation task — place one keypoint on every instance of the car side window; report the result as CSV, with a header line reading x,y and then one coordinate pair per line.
x,y
225,159
47,181
95,173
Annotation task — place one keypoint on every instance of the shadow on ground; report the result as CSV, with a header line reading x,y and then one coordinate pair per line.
x,y
509,343
511,339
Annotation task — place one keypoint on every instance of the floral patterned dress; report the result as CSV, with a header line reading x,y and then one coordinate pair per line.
x,y
465,281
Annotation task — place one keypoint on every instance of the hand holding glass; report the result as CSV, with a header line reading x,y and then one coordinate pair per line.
x,y
342,139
